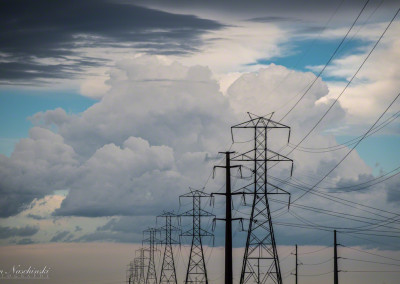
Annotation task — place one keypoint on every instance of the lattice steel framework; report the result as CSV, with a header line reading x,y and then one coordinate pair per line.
x,y
136,270
151,277
140,267
260,261
196,271
168,271
130,273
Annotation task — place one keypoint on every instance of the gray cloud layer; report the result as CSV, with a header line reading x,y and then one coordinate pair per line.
x,y
27,231
31,30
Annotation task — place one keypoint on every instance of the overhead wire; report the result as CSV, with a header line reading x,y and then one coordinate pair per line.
x,y
347,85
345,145
327,63
370,253
369,261
351,150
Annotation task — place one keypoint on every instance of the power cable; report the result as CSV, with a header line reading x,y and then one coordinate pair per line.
x,y
351,150
327,63
347,85
375,254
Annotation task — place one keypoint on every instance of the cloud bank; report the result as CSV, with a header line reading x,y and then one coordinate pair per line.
x,y
150,138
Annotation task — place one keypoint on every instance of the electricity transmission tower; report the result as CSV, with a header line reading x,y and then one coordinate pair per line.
x,y
151,277
130,273
168,271
196,271
140,267
261,262
136,269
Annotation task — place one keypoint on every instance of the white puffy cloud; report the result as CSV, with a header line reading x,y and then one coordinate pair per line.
x,y
377,83
277,88
39,165
166,104
151,135
132,180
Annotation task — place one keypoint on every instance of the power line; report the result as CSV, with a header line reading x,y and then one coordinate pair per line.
x,y
327,63
372,271
369,261
348,84
351,150
315,251
318,263
375,254
320,274
347,143
345,202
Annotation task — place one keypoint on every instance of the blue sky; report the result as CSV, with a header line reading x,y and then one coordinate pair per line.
x,y
20,104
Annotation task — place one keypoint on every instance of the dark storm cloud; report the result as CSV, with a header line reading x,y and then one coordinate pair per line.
x,y
13,203
254,7
53,29
27,231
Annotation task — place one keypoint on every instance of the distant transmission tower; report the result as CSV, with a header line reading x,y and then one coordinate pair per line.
x,y
140,267
168,271
196,271
130,273
136,270
151,277
260,262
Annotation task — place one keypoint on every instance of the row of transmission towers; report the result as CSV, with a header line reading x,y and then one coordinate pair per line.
x,y
143,269
260,264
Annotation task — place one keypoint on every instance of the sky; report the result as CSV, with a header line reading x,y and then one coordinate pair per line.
x,y
111,110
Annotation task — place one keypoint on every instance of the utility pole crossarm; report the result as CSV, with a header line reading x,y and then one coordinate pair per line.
x,y
260,122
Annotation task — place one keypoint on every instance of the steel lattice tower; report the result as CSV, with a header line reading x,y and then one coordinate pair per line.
x,y
196,271
130,273
260,261
140,267
151,277
168,271
136,267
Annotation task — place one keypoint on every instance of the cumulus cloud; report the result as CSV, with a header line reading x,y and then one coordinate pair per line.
x,y
151,136
128,180
276,88
393,191
39,165
378,81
